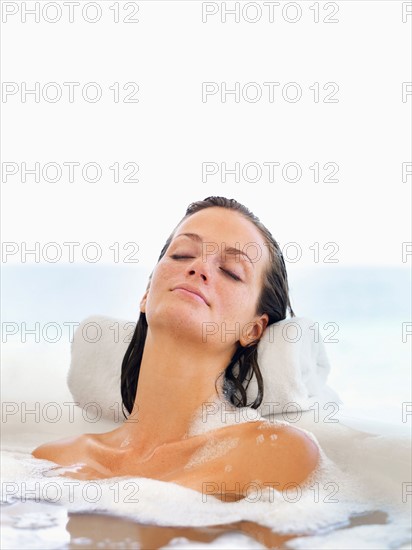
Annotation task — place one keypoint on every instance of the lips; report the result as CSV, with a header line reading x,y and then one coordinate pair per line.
x,y
192,289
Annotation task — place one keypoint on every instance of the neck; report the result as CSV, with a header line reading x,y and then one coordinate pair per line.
x,y
176,386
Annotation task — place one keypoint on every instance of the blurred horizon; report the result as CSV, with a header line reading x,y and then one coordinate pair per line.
x,y
360,312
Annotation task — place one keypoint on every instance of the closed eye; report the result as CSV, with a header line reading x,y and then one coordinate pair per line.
x,y
235,277
229,273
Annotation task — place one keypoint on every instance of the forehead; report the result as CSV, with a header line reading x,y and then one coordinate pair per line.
x,y
226,228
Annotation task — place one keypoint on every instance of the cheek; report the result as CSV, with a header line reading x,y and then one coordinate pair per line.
x,y
236,303
164,273
158,283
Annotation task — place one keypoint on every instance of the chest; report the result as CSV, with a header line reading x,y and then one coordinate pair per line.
x,y
210,464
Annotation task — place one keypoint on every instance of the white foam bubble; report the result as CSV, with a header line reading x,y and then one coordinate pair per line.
x,y
211,450
357,473
225,541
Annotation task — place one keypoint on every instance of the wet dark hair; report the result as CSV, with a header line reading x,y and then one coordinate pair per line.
x,y
273,300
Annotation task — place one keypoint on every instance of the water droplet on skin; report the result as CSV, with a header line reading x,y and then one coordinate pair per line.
x,y
273,437
265,424
260,439
228,468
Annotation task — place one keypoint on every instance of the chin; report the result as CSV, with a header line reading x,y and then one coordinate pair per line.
x,y
181,323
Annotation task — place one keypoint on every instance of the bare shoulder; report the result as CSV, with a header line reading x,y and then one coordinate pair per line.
x,y
279,452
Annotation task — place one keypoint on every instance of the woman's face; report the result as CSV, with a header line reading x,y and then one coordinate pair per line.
x,y
229,281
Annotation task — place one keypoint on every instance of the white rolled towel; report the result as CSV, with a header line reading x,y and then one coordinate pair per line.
x,y
294,366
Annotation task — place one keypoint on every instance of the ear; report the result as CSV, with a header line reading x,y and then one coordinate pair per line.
x,y
143,302
254,331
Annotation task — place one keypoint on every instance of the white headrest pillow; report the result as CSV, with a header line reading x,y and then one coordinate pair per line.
x,y
293,364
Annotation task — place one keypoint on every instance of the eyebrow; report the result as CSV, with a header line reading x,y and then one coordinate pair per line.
x,y
228,250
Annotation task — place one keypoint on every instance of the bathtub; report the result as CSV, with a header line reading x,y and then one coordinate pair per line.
x,y
36,515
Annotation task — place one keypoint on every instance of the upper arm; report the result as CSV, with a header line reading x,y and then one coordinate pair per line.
x,y
63,451
279,455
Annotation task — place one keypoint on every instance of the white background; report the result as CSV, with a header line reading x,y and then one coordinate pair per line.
x,y
170,132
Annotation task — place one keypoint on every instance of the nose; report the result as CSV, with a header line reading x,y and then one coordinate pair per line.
x,y
200,267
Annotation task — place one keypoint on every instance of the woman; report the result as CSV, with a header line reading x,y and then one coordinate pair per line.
x,y
219,282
